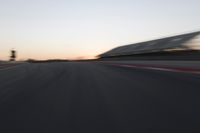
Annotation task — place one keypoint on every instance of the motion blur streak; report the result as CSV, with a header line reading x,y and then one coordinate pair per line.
x,y
97,98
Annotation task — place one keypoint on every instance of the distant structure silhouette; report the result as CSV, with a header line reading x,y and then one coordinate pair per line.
x,y
13,55
179,47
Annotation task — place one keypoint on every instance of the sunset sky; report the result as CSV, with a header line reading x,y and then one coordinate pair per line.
x,y
73,29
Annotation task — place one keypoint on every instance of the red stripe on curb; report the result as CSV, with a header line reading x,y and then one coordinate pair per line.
x,y
161,68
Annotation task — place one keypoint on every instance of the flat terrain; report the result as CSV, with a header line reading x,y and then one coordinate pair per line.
x,y
5,65
92,97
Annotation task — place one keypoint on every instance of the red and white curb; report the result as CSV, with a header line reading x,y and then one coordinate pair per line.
x,y
161,68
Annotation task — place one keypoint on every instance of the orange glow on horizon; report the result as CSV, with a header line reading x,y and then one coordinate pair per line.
x,y
22,56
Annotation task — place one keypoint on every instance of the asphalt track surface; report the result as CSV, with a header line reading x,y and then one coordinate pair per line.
x,y
88,97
